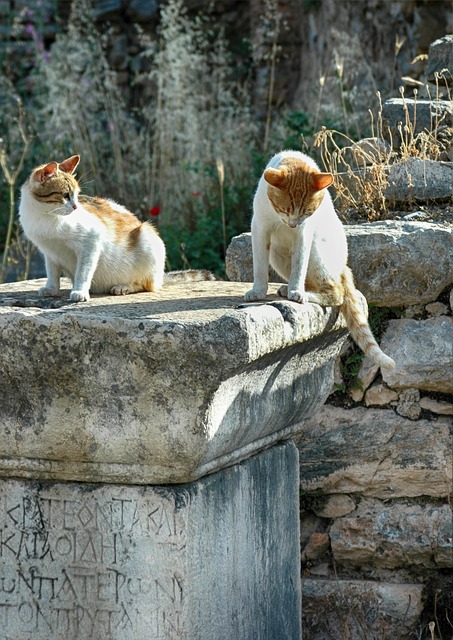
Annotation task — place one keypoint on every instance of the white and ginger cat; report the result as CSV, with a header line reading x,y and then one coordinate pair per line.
x,y
99,244
296,229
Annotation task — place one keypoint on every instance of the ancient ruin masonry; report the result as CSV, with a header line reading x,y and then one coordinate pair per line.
x,y
148,486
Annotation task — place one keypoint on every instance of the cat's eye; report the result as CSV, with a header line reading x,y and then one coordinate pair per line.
x,y
66,196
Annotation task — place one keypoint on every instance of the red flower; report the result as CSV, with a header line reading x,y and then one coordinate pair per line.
x,y
196,194
154,211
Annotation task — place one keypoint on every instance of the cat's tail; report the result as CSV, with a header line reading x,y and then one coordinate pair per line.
x,y
189,275
356,315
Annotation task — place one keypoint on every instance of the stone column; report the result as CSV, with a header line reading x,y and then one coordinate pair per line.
x,y
149,490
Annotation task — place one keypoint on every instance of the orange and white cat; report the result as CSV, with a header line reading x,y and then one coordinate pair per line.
x,y
295,228
99,244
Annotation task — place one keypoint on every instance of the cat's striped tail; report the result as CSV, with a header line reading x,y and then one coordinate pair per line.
x,y
356,315
189,275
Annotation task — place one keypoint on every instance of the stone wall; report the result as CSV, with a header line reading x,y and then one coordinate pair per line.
x,y
376,461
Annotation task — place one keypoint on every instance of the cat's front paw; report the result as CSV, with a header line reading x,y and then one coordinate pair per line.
x,y
255,294
120,290
283,291
48,292
78,295
298,296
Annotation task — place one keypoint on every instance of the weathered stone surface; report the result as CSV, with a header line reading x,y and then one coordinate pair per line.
x,y
395,535
437,406
367,372
440,58
320,569
357,609
419,180
379,394
239,260
316,546
142,10
309,524
409,404
374,452
218,558
336,506
436,309
423,115
155,388
395,263
423,353
414,311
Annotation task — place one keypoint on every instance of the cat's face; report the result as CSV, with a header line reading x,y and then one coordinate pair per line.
x,y
54,184
296,190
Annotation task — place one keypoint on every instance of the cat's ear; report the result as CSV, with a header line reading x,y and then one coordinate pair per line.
x,y
321,180
276,177
47,171
69,165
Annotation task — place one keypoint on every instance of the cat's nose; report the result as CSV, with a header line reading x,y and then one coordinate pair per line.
x,y
74,206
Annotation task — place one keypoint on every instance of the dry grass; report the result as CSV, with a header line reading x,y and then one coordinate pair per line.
x,y
199,116
13,152
361,172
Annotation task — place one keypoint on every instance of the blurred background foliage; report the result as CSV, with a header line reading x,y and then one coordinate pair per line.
x,y
175,106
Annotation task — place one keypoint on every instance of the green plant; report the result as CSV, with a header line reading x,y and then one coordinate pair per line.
x,y
379,317
350,365
198,241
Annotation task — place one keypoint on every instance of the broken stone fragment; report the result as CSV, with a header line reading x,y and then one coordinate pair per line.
x,y
379,394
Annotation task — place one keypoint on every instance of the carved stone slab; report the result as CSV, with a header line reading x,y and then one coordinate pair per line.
x,y
218,558
155,388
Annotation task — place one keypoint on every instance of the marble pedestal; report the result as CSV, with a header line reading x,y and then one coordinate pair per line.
x,y
215,558
145,490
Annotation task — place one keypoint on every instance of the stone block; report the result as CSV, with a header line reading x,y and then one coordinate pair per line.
x,y
419,180
316,546
379,394
440,60
437,406
423,353
374,452
390,536
436,309
335,506
408,404
218,558
357,609
395,263
155,388
422,115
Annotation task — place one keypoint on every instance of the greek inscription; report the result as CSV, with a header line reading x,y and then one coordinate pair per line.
x,y
84,566
40,514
